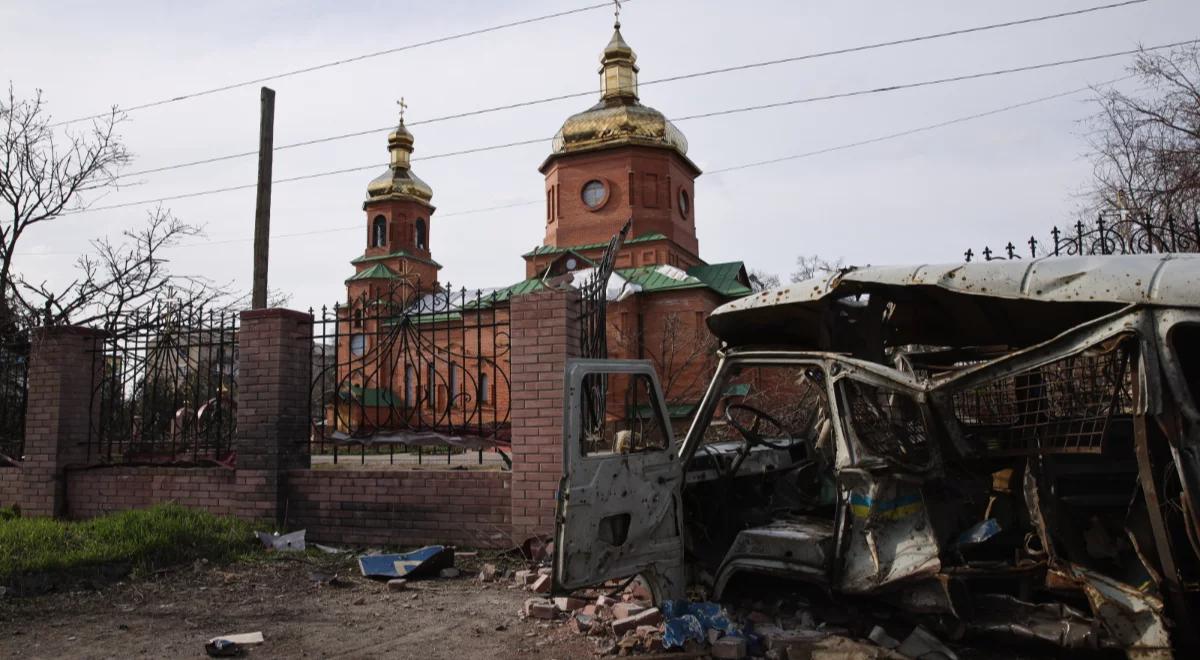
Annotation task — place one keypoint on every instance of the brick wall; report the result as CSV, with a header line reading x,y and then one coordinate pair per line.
x,y
11,488
544,334
103,490
413,507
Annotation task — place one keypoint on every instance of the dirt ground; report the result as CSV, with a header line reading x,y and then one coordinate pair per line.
x,y
172,614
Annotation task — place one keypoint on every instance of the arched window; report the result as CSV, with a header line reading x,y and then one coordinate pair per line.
x,y
379,231
421,234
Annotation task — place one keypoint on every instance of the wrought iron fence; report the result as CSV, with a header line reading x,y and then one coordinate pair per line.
x,y
1118,232
165,387
14,388
593,335
409,374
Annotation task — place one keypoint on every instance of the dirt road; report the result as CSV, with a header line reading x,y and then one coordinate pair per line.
x,y
171,616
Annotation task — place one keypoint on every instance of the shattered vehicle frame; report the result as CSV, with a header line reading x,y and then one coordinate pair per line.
x,y
1008,448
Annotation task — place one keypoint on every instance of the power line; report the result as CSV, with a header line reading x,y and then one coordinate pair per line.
x,y
936,81
718,113
348,60
760,163
912,131
645,83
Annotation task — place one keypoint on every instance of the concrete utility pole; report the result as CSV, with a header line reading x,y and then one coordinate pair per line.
x,y
262,206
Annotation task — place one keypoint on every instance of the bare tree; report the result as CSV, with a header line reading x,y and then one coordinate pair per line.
x,y
683,355
809,266
761,280
44,175
1146,146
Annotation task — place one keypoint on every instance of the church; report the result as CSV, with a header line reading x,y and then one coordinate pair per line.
x,y
618,161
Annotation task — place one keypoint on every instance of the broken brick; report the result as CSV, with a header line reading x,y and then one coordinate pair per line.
x,y
541,585
732,648
399,584
626,610
650,617
605,601
488,573
581,623
522,577
540,608
569,603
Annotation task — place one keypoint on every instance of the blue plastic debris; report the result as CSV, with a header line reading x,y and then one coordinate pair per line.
x,y
684,621
680,629
420,562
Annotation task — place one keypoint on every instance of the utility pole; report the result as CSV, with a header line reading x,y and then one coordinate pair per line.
x,y
262,206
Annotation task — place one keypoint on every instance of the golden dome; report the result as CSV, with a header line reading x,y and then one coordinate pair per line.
x,y
624,123
618,118
399,181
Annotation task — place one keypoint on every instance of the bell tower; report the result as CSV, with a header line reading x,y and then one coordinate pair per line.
x,y
615,161
398,215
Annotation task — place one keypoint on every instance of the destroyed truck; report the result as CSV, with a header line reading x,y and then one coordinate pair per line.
x,y
1009,448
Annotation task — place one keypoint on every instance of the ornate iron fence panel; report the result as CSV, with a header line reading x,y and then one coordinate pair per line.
x,y
165,387
593,332
1112,233
14,390
397,371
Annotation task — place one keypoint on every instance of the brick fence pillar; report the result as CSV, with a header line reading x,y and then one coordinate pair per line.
x,y
58,420
545,333
274,359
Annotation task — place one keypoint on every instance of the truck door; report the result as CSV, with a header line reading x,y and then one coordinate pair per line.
x,y
618,511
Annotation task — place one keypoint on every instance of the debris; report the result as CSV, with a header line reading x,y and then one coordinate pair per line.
x,y
922,644
582,623
397,584
244,639
650,617
569,603
524,577
625,610
222,648
880,637
329,549
326,579
680,629
540,608
290,542
541,585
729,647
488,573
421,562
449,573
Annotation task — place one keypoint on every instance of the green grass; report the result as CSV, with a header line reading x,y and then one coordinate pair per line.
x,y
142,539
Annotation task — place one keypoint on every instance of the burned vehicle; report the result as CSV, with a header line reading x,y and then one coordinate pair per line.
x,y
1008,447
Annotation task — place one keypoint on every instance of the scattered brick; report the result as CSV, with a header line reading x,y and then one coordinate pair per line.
x,y
522,577
581,623
541,585
626,610
569,603
399,584
540,608
488,573
650,617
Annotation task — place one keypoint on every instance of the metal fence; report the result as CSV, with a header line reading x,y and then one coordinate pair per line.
x,y
165,387
14,382
1118,232
406,374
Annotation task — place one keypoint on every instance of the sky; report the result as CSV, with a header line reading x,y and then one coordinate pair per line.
x,y
926,197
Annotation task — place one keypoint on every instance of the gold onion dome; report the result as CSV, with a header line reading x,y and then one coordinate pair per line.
x,y
399,181
618,118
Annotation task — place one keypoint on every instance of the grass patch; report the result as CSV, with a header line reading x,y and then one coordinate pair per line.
x,y
137,540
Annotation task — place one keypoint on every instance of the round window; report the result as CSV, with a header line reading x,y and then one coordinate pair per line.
x,y
358,345
685,203
594,194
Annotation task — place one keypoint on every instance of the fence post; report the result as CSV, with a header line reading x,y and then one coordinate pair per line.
x,y
545,332
274,357
62,378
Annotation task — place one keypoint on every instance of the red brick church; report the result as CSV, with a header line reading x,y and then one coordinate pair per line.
x,y
617,161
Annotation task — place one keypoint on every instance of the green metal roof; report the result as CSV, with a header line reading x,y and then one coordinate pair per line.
x,y
376,272
398,254
370,396
724,278
550,249
504,295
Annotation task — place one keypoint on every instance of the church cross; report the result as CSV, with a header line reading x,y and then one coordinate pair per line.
x,y
617,13
403,107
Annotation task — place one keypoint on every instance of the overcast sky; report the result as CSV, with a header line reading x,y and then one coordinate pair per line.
x,y
921,198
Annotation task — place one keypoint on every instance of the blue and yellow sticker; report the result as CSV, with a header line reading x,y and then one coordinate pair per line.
x,y
862,506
